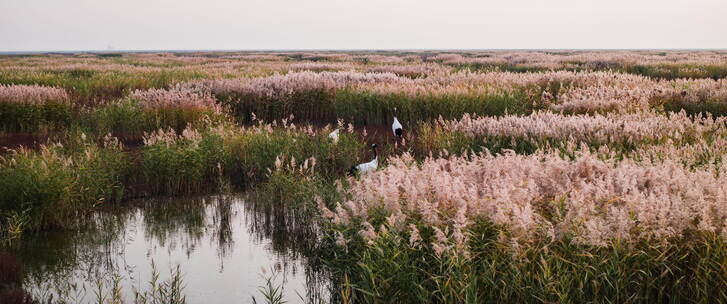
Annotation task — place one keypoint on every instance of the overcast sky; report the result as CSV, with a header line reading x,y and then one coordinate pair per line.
x,y
53,25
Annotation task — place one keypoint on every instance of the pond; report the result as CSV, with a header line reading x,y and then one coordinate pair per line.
x,y
224,247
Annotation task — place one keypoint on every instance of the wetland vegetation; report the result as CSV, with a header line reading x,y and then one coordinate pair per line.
x,y
521,176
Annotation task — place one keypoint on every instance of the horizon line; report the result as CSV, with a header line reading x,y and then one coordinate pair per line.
x,y
35,52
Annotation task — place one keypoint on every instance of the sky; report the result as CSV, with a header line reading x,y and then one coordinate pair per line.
x,y
73,25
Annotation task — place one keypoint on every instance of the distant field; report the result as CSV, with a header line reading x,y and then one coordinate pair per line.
x,y
521,176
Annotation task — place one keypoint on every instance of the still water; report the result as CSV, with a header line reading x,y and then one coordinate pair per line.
x,y
223,246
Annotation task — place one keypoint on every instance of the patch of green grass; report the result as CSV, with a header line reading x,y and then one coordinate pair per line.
x,y
55,187
27,117
128,119
390,270
362,107
185,166
674,71
675,104
88,86
663,71
249,154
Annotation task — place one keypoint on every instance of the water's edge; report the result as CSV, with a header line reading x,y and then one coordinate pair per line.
x,y
224,245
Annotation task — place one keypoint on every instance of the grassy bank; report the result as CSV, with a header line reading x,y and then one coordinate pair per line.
x,y
56,185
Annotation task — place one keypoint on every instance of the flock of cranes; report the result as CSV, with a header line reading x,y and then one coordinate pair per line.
x,y
364,168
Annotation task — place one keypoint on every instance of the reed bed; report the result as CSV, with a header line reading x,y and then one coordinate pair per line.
x,y
668,65
287,200
369,98
321,66
184,163
307,95
57,185
89,87
523,176
507,226
363,98
197,160
693,96
93,80
540,130
145,111
384,59
265,144
411,71
31,107
591,201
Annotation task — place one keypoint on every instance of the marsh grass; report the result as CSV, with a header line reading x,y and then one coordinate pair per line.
x,y
434,139
623,138
362,107
27,117
12,224
170,291
127,118
55,187
294,170
123,118
312,104
660,71
293,186
239,157
88,86
288,206
716,108
491,67
270,292
108,289
389,269
185,165
370,108
249,154
30,108
675,71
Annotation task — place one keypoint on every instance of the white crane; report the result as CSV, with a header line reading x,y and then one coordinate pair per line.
x,y
334,135
366,168
396,127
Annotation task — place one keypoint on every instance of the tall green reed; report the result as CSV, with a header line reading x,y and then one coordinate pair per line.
x,y
56,185
390,268
269,291
364,107
187,163
89,86
29,117
250,153
127,118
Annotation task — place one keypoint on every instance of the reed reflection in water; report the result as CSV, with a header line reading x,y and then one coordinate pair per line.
x,y
221,244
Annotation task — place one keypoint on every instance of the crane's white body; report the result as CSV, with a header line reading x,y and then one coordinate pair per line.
x,y
396,126
334,135
369,167
366,168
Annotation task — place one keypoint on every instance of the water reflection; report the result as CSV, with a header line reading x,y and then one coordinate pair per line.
x,y
292,235
221,244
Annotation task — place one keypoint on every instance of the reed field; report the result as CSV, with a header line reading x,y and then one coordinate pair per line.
x,y
521,176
